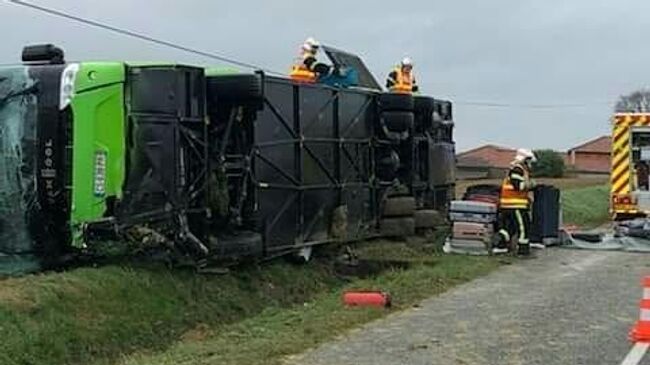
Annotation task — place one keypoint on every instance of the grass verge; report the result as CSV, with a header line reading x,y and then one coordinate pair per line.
x,y
586,207
565,183
280,332
151,315
88,314
108,315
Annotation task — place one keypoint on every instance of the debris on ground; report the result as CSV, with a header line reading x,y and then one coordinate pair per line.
x,y
631,236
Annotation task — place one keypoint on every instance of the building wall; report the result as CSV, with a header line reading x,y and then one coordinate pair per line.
x,y
589,161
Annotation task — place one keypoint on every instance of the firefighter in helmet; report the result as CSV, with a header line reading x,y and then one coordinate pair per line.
x,y
401,79
514,203
307,68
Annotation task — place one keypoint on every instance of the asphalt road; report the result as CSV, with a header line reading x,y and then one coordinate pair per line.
x,y
565,307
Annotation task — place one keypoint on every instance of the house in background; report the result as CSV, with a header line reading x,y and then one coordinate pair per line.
x,y
485,162
492,161
591,157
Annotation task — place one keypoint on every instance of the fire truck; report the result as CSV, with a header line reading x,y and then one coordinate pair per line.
x,y
630,196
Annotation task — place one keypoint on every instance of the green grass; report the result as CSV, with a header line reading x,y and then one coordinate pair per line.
x,y
86,314
280,332
586,207
119,314
150,315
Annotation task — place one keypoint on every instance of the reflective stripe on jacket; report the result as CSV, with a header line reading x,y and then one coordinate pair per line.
x,y
401,83
514,188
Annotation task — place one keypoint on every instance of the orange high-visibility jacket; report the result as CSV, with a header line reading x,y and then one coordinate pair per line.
x,y
302,69
515,187
400,82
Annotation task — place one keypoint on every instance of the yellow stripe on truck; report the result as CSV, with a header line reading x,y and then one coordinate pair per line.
x,y
621,166
620,157
621,170
621,187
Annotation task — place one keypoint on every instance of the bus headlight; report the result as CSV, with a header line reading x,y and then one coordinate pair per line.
x,y
68,78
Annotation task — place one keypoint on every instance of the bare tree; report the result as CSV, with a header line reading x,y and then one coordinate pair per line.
x,y
636,102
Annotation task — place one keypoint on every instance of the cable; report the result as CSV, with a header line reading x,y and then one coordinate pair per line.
x,y
143,37
222,58
531,106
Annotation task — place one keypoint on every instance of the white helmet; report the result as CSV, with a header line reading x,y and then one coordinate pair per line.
x,y
525,155
406,62
311,44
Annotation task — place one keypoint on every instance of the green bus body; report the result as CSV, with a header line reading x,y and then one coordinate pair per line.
x,y
98,108
86,106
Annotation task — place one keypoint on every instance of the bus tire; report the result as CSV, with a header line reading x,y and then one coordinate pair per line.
x,y
428,218
423,104
399,206
396,102
236,88
398,121
397,227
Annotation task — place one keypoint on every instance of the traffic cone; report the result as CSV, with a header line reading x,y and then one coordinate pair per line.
x,y
641,330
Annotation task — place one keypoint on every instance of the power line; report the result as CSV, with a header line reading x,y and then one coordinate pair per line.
x,y
531,106
226,59
140,36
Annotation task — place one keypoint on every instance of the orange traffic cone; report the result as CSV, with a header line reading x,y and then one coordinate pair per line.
x,y
641,330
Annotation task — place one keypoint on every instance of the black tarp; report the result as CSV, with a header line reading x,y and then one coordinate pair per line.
x,y
545,213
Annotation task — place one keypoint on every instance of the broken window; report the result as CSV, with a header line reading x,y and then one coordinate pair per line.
x,y
17,160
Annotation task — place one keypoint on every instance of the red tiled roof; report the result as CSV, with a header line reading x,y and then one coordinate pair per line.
x,y
487,155
490,155
598,145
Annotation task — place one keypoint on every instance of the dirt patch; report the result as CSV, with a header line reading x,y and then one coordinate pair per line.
x,y
368,268
199,333
12,295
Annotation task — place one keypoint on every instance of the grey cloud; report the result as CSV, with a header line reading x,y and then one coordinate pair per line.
x,y
509,51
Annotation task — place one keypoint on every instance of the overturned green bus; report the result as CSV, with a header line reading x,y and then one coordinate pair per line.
x,y
203,164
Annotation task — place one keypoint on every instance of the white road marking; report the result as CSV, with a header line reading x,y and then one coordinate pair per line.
x,y
636,354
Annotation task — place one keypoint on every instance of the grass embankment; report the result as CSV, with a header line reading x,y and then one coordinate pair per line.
x,y
116,314
586,207
150,315
561,183
85,314
280,332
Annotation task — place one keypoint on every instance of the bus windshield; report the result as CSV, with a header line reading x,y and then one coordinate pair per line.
x,y
17,160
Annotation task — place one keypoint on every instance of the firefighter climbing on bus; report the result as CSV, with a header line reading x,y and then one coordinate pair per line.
x,y
401,79
306,68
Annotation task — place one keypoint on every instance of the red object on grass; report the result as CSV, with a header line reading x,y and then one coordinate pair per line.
x,y
367,299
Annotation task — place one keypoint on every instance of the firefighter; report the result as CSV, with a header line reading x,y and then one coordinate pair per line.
x,y
514,203
401,79
307,68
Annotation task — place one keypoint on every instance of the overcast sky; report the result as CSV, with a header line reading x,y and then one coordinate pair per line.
x,y
515,52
